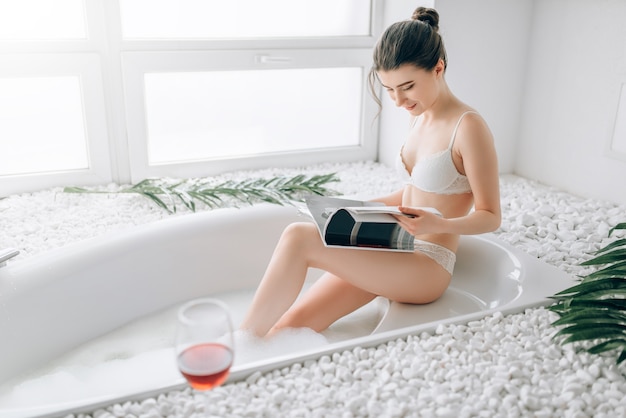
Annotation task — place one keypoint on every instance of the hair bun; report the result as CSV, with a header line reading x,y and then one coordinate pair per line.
x,y
427,15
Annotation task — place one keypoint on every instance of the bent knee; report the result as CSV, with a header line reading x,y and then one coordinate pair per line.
x,y
300,232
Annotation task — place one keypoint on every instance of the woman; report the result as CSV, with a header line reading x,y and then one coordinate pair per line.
x,y
448,162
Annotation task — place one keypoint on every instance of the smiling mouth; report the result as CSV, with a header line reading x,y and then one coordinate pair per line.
x,y
410,107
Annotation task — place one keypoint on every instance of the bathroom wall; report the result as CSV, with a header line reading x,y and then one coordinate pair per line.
x,y
546,75
576,66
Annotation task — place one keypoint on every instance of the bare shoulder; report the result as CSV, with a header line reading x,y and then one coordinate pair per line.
x,y
474,147
473,132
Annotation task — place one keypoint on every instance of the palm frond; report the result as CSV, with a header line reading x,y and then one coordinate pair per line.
x,y
596,332
594,310
608,346
597,289
280,190
617,271
612,256
591,316
618,226
570,304
615,244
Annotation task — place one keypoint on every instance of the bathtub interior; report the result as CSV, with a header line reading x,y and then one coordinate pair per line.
x,y
136,359
476,286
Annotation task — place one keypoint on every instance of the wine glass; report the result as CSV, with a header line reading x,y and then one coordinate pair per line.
x,y
204,344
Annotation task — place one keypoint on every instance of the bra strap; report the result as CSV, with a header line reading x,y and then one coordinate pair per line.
x,y
457,127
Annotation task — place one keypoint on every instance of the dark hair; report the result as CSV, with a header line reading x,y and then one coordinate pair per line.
x,y
416,41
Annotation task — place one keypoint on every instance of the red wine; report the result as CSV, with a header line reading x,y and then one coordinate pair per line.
x,y
205,366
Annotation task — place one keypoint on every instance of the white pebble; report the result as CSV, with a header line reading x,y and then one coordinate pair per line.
x,y
526,219
279,396
546,210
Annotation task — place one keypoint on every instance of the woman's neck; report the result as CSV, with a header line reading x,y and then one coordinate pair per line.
x,y
445,103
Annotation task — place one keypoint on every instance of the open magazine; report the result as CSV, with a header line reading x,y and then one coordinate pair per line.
x,y
360,224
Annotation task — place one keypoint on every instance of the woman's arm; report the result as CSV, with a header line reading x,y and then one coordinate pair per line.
x,y
475,146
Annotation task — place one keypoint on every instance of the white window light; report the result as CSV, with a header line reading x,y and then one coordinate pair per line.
x,y
112,74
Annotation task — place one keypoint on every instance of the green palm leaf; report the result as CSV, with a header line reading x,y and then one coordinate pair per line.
x,y
596,287
594,310
595,332
591,316
608,346
615,271
279,190
155,198
615,244
610,257
618,226
573,303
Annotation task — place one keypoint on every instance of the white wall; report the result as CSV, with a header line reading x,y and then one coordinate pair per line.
x,y
576,66
546,75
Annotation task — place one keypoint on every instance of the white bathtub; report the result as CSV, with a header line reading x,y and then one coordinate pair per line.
x,y
109,302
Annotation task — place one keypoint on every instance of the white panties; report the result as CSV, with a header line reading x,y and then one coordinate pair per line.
x,y
442,256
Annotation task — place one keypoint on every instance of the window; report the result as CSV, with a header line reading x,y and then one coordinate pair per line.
x,y
215,114
98,91
53,128
237,19
42,20
57,141
213,119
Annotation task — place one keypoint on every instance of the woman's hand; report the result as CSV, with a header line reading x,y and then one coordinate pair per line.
x,y
419,221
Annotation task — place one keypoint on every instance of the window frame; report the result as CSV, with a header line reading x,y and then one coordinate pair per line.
x,y
136,65
85,66
110,67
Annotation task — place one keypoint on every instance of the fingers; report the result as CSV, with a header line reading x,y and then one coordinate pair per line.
x,y
413,212
419,211
416,221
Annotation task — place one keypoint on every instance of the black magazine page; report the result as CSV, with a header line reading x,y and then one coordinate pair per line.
x,y
341,224
322,207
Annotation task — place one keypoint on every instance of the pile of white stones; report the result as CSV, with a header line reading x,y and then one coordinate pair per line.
x,y
500,366
504,366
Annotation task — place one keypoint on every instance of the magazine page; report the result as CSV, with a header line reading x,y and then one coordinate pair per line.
x,y
393,210
373,231
322,207
374,209
358,224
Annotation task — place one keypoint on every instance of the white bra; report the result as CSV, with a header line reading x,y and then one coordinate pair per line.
x,y
436,173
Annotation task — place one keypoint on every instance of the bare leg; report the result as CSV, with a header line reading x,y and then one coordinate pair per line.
x,y
329,299
281,283
403,277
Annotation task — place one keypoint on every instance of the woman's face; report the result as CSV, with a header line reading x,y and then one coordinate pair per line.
x,y
412,88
